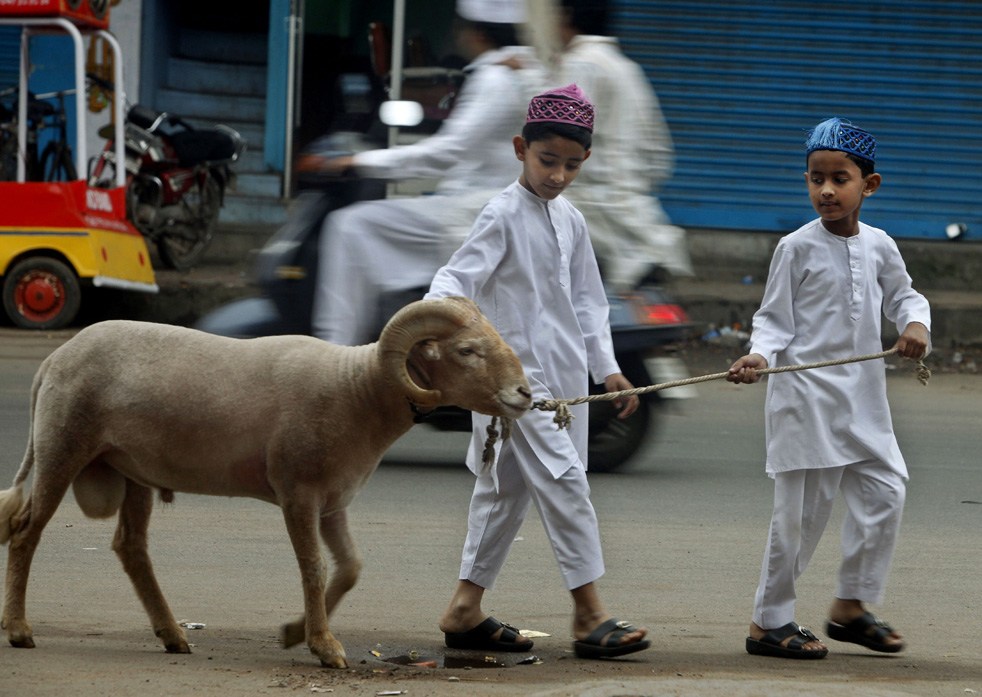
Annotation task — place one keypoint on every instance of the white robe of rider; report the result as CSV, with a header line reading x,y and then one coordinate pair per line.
x,y
376,246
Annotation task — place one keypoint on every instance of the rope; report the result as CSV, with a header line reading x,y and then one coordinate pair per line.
x,y
564,418
487,457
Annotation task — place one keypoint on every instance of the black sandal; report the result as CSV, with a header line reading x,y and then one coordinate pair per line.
x,y
604,641
770,644
866,630
480,638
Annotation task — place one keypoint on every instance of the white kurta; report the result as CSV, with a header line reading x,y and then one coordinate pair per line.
x,y
372,247
825,299
632,155
529,265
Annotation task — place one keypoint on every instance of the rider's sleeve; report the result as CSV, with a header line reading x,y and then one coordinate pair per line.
x,y
477,109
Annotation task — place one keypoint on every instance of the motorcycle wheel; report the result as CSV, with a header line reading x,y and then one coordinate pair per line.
x,y
41,293
182,246
613,441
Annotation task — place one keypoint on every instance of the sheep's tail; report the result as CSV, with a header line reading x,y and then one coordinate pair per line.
x,y
12,499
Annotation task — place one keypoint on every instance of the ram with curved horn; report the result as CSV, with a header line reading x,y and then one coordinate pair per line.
x,y
126,408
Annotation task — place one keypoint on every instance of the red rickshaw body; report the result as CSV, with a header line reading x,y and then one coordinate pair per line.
x,y
85,227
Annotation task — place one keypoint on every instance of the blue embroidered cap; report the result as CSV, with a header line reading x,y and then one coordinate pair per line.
x,y
838,134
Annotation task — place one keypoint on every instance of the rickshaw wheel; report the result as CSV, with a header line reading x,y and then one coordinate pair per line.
x,y
41,293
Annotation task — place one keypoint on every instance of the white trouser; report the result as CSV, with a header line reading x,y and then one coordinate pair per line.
x,y
366,249
874,497
563,504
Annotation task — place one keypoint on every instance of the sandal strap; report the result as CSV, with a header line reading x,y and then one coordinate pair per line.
x,y
609,633
509,634
873,627
801,635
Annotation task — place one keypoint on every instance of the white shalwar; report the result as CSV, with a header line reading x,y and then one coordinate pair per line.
x,y
632,155
529,265
830,428
395,244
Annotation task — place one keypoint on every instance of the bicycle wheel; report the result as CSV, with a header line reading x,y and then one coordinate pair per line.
x,y
57,164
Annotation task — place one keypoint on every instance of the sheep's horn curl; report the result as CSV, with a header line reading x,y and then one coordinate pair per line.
x,y
416,322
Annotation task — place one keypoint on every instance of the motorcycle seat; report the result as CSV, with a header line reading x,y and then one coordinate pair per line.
x,y
142,116
203,145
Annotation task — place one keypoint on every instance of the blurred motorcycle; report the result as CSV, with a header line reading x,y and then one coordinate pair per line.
x,y
176,180
645,323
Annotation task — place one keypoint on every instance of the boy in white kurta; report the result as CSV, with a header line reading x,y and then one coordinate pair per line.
x,y
829,284
529,265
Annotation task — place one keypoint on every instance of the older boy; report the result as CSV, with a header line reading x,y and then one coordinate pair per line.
x,y
529,265
830,429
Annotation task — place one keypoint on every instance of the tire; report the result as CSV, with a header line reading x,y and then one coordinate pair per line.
x,y
183,246
41,293
57,165
613,441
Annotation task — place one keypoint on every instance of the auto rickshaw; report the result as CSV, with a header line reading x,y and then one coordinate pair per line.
x,y
60,237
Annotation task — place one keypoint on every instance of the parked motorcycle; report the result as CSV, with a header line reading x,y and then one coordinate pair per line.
x,y
176,180
643,323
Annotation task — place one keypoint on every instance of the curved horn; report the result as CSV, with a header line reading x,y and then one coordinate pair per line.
x,y
416,322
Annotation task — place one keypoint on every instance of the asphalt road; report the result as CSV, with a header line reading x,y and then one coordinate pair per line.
x,y
683,532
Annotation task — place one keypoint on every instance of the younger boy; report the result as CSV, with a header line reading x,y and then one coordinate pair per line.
x,y
529,265
828,286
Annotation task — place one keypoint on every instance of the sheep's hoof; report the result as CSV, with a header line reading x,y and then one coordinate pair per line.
x,y
330,651
331,659
292,633
334,662
178,647
174,641
22,642
19,634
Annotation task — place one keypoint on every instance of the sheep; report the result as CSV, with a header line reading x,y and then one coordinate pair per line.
x,y
124,408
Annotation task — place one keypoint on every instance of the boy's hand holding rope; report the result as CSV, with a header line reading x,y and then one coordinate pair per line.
x,y
564,418
561,406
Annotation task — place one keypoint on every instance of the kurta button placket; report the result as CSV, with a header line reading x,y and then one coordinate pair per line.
x,y
854,249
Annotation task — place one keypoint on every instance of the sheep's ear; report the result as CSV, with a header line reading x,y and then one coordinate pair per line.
x,y
429,349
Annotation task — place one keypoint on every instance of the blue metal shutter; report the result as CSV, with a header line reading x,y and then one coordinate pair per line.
x,y
741,83
9,57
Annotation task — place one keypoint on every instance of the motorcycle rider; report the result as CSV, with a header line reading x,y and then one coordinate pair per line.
x,y
631,233
394,244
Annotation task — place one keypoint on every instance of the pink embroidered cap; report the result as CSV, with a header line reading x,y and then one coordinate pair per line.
x,y
564,105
